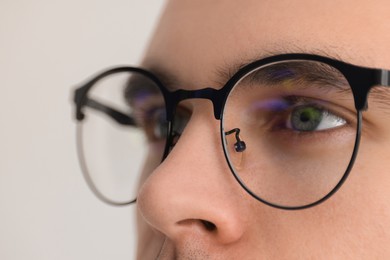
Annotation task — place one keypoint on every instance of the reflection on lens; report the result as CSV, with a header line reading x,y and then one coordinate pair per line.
x,y
296,120
124,118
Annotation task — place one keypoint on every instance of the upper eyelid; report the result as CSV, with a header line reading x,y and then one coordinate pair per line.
x,y
334,108
140,85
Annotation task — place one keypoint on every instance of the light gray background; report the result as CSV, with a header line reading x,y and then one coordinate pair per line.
x,y
46,47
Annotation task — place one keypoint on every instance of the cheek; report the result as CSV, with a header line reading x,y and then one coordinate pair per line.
x,y
362,205
370,177
353,222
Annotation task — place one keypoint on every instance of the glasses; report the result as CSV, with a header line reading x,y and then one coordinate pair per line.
x,y
290,127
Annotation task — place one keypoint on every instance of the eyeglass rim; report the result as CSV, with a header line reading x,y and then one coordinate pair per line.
x,y
304,206
361,80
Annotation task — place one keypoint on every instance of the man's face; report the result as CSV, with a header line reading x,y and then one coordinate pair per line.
x,y
192,207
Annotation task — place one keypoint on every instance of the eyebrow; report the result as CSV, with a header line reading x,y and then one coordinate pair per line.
x,y
223,73
139,87
227,71
301,73
378,94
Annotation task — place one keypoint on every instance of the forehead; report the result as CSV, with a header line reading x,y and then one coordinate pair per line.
x,y
195,38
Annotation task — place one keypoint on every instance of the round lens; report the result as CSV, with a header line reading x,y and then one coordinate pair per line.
x,y
122,137
289,131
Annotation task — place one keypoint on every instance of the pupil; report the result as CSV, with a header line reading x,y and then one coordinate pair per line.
x,y
305,116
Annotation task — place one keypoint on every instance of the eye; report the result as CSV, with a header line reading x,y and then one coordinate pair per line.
x,y
155,124
306,118
181,119
159,124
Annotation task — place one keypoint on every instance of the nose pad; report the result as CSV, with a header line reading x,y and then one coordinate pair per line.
x,y
176,128
240,145
236,153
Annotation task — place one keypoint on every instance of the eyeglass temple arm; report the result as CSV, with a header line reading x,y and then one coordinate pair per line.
x,y
119,117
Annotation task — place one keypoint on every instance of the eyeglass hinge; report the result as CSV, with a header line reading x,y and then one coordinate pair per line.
x,y
384,77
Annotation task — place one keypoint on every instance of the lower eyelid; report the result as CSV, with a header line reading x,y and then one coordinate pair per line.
x,y
331,138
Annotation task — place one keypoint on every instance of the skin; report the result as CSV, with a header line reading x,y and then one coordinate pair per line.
x,y
194,184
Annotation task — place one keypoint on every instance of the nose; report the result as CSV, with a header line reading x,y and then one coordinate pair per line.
x,y
192,194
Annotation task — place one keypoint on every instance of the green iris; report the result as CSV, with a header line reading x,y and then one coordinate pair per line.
x,y
306,118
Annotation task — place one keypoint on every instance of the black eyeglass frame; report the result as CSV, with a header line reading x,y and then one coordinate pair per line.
x,y
360,79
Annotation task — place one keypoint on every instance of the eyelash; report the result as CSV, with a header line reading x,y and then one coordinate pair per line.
x,y
280,123
149,118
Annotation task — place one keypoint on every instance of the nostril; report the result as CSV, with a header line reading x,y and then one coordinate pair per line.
x,y
208,225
